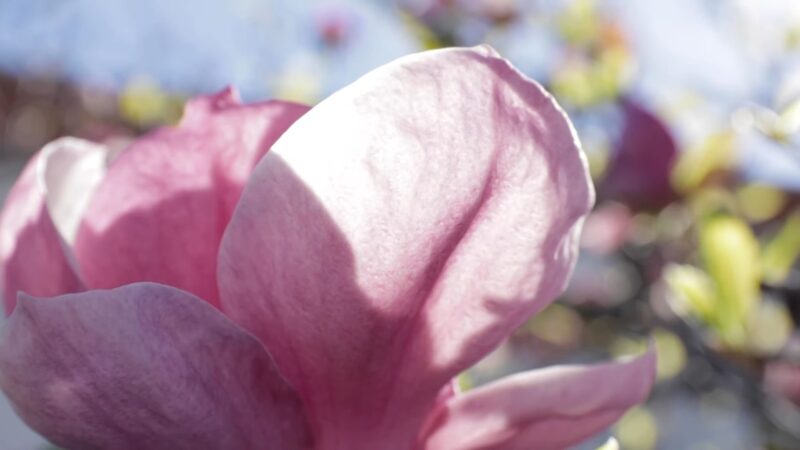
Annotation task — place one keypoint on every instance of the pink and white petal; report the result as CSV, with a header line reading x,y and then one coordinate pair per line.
x,y
40,218
144,366
551,408
447,393
160,213
399,231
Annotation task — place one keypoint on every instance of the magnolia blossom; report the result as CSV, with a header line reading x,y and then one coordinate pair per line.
x,y
206,294
644,156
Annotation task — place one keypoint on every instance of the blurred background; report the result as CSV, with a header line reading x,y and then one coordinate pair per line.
x,y
688,110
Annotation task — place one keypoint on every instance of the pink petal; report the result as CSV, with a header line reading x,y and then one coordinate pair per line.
x,y
399,231
40,218
641,165
447,393
551,408
160,213
144,366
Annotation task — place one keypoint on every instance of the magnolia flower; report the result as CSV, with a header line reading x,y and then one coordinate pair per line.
x,y
323,295
642,163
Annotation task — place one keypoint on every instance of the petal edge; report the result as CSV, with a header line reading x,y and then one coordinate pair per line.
x,y
550,408
144,366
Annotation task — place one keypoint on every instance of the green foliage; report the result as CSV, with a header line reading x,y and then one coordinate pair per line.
x,y
760,202
727,296
588,83
579,23
424,35
730,253
144,104
637,429
695,288
465,382
696,164
782,250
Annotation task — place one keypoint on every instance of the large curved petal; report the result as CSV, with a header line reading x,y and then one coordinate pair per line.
x,y
399,231
160,213
552,408
40,218
144,366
